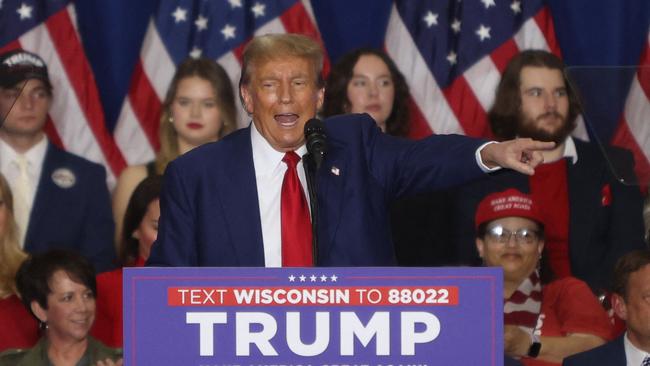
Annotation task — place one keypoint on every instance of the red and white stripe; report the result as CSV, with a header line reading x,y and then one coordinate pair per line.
x,y
461,107
76,116
136,132
633,131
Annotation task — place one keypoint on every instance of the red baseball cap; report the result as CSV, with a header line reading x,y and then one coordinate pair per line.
x,y
508,203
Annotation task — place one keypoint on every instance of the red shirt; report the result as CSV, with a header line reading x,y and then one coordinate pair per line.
x,y
108,316
18,327
569,306
549,186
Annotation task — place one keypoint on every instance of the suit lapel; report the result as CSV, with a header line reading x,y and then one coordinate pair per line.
x,y
331,178
621,358
583,181
239,197
44,193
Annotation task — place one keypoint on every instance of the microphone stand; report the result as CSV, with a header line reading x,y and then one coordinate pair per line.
x,y
312,188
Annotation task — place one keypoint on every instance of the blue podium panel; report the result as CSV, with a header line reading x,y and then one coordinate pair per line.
x,y
313,316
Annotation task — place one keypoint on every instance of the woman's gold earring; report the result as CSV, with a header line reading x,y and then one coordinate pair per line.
x,y
171,119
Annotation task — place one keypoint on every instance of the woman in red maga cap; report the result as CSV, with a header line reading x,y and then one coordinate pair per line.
x,y
140,231
546,320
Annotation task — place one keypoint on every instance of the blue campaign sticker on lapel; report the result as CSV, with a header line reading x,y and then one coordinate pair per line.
x,y
64,178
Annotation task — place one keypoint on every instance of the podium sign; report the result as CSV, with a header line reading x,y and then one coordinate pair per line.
x,y
313,316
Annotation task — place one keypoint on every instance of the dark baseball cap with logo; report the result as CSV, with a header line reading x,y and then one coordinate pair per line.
x,y
20,65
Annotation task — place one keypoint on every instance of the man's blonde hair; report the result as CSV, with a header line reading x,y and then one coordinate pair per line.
x,y
268,47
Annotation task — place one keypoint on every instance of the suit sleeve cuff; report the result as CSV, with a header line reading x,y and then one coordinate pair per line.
x,y
479,160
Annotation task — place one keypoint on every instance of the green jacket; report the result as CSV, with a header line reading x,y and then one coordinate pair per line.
x,y
37,355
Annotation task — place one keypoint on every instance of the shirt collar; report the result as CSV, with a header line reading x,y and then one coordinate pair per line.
x,y
35,155
266,159
570,150
633,354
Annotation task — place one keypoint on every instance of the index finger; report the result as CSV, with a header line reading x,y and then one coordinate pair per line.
x,y
530,144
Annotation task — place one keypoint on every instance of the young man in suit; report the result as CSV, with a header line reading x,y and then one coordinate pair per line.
x,y
592,218
60,200
631,302
241,201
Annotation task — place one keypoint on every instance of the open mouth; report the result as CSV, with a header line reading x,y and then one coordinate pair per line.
x,y
286,119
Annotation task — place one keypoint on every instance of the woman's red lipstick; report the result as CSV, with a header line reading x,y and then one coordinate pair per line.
x,y
194,126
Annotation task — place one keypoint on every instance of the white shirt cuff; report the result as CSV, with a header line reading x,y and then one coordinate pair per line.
x,y
479,160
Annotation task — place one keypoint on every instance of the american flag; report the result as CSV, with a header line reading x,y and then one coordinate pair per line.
x,y
76,120
633,130
193,28
452,53
178,29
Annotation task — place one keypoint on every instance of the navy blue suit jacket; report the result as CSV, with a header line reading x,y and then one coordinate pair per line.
x,y
599,232
209,204
609,354
78,217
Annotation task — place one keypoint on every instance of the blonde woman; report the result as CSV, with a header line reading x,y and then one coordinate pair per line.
x,y
19,329
199,108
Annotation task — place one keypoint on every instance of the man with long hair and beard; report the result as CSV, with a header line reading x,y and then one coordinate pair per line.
x,y
591,218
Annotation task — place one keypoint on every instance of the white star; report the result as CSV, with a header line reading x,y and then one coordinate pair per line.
x,y
488,3
196,52
451,57
235,3
292,278
516,7
483,32
228,32
312,278
180,15
25,11
323,278
431,19
258,10
302,278
201,23
333,278
455,25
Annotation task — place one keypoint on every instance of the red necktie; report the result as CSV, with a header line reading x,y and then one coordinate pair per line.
x,y
296,226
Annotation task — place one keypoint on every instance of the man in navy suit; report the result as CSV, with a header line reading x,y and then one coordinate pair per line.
x,y
591,217
221,203
60,200
631,302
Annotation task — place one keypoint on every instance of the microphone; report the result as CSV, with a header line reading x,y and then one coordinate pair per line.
x,y
316,140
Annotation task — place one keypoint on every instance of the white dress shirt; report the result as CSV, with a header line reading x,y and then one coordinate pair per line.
x,y
633,355
23,181
269,173
34,156
570,150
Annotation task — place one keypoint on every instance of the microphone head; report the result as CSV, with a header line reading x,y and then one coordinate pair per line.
x,y
314,125
316,139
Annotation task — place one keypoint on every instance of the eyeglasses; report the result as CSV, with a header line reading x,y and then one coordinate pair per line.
x,y
499,234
